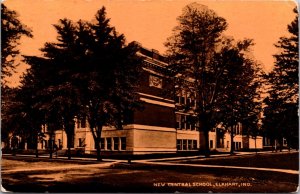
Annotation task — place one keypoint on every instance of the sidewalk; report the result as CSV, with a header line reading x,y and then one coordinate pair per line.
x,y
160,161
236,153
217,155
62,158
221,166
100,165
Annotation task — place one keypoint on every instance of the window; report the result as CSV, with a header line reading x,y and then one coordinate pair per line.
x,y
123,143
184,144
183,122
190,144
188,102
192,103
227,144
83,123
108,143
188,124
59,143
179,144
102,143
194,144
193,126
177,99
237,145
190,121
116,143
211,144
182,100
178,119
81,142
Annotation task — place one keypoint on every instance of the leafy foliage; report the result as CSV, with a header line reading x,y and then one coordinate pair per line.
x,y
88,73
51,75
11,31
211,68
281,111
284,77
108,87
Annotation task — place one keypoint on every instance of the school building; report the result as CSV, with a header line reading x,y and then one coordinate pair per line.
x,y
161,127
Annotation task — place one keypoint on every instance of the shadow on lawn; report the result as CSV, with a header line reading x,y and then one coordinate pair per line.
x,y
140,178
271,160
260,176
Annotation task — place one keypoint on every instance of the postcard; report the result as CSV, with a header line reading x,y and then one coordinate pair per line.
x,y
142,96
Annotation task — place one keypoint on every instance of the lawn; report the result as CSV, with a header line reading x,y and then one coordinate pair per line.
x,y
138,177
278,160
14,163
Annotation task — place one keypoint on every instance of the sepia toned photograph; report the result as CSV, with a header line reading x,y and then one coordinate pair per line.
x,y
149,96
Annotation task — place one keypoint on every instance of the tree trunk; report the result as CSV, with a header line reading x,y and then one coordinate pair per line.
x,y
98,148
231,141
289,143
203,126
98,139
69,129
280,145
206,138
69,144
37,147
51,148
13,144
36,153
255,145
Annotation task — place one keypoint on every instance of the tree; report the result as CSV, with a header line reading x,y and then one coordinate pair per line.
x,y
199,59
57,97
241,96
282,101
110,80
284,76
20,119
11,31
89,73
8,119
33,100
190,51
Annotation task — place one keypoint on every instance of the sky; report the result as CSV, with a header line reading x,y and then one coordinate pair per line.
x,y
150,22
